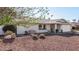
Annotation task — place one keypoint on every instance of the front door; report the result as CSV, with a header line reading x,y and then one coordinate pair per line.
x,y
52,26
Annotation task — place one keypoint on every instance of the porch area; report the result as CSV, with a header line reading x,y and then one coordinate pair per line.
x,y
53,28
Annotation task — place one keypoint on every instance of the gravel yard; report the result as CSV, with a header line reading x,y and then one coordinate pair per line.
x,y
51,43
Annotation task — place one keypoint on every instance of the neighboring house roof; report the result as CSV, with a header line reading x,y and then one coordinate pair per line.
x,y
54,21
75,24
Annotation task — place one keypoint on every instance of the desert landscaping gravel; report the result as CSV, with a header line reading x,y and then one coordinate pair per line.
x,y
51,43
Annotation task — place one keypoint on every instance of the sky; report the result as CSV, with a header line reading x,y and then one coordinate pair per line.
x,y
68,13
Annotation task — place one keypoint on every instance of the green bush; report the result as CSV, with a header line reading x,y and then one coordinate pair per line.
x,y
10,27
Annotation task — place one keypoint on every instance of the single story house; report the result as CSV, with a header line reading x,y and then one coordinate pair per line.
x,y
54,26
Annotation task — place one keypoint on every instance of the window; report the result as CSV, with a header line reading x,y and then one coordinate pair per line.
x,y
42,27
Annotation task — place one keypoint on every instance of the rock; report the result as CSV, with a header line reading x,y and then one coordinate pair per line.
x,y
34,37
7,37
42,36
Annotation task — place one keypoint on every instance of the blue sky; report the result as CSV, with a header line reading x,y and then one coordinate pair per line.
x,y
68,13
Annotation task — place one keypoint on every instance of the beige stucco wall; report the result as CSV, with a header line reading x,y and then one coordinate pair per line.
x,y
48,27
36,27
65,28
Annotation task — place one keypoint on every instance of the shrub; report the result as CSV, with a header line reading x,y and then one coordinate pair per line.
x,y
42,36
26,33
9,37
10,27
13,35
34,37
8,32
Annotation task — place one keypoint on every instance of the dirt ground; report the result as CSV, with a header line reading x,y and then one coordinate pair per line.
x,y
51,43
